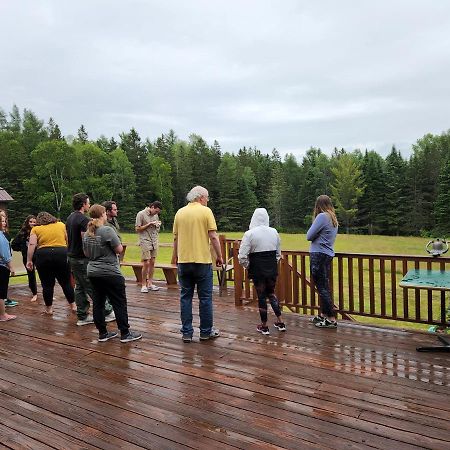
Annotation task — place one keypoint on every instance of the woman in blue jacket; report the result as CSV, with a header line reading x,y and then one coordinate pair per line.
x,y
6,269
322,235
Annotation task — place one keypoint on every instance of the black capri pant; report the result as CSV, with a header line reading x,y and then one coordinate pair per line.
x,y
52,265
4,282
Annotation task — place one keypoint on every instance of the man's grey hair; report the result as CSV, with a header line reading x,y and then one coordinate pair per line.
x,y
195,193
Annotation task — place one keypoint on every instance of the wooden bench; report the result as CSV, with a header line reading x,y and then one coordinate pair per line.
x,y
169,270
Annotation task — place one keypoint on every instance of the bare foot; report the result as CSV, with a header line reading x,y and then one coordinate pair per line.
x,y
48,311
73,307
34,298
7,317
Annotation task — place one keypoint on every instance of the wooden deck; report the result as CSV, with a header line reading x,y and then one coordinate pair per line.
x,y
355,387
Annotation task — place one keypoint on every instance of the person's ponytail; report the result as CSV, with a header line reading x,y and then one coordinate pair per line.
x,y
96,212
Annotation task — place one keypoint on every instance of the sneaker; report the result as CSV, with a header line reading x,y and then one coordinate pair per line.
x,y
86,321
316,319
153,287
131,336
280,325
111,317
10,303
144,289
325,323
263,330
107,336
214,333
187,338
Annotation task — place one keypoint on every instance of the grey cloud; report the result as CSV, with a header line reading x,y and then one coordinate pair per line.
x,y
290,74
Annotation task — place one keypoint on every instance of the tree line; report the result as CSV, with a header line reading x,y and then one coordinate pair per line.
x,y
42,169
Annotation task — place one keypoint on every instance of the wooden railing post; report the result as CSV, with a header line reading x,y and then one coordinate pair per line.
x,y
238,275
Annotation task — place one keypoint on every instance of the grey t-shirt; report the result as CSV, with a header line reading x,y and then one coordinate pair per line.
x,y
103,260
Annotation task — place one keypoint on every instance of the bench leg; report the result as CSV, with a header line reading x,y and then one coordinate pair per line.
x,y
171,277
138,273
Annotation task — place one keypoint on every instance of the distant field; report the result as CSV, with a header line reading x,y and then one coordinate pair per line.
x,y
344,243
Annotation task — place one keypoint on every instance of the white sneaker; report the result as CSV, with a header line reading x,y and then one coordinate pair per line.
x,y
153,287
110,317
144,289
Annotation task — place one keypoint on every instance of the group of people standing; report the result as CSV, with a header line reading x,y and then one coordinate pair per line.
x,y
90,249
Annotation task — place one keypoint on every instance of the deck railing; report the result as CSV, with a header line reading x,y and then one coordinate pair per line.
x,y
361,285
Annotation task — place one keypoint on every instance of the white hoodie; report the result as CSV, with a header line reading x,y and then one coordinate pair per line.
x,y
259,238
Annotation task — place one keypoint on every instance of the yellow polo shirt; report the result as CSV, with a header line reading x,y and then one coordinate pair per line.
x,y
190,227
50,235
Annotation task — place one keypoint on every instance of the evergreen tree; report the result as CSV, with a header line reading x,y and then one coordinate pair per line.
x,y
229,218
397,201
3,120
33,132
316,180
161,184
137,154
277,196
82,136
347,188
292,173
442,204
247,186
53,131
371,204
123,186
15,120
182,173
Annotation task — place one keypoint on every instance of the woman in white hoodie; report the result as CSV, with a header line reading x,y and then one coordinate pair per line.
x,y
259,253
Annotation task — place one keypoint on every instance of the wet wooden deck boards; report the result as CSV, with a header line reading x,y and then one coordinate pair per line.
x,y
355,387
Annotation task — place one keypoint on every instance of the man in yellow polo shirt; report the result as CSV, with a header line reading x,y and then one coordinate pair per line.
x,y
193,228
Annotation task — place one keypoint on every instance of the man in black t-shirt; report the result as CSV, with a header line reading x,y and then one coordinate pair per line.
x,y
76,226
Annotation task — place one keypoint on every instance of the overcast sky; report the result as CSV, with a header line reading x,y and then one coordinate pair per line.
x,y
283,74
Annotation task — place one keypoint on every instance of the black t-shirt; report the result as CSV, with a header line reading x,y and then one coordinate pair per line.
x,y
75,225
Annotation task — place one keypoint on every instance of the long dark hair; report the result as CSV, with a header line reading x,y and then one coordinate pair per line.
x,y
25,230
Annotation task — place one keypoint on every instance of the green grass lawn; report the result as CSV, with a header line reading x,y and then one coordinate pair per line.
x,y
344,243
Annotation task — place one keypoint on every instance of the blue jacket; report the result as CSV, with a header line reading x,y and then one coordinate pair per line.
x,y
322,235
5,250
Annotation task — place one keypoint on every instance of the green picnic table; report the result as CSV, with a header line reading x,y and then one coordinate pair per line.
x,y
436,280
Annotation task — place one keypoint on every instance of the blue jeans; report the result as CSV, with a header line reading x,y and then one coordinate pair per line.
x,y
189,275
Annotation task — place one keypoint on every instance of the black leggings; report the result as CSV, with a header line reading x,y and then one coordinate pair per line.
x,y
52,265
4,282
113,288
320,265
265,288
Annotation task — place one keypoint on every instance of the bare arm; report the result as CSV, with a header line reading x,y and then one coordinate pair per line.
x,y
31,249
214,238
119,249
175,250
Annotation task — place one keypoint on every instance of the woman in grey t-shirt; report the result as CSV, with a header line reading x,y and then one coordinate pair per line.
x,y
102,246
